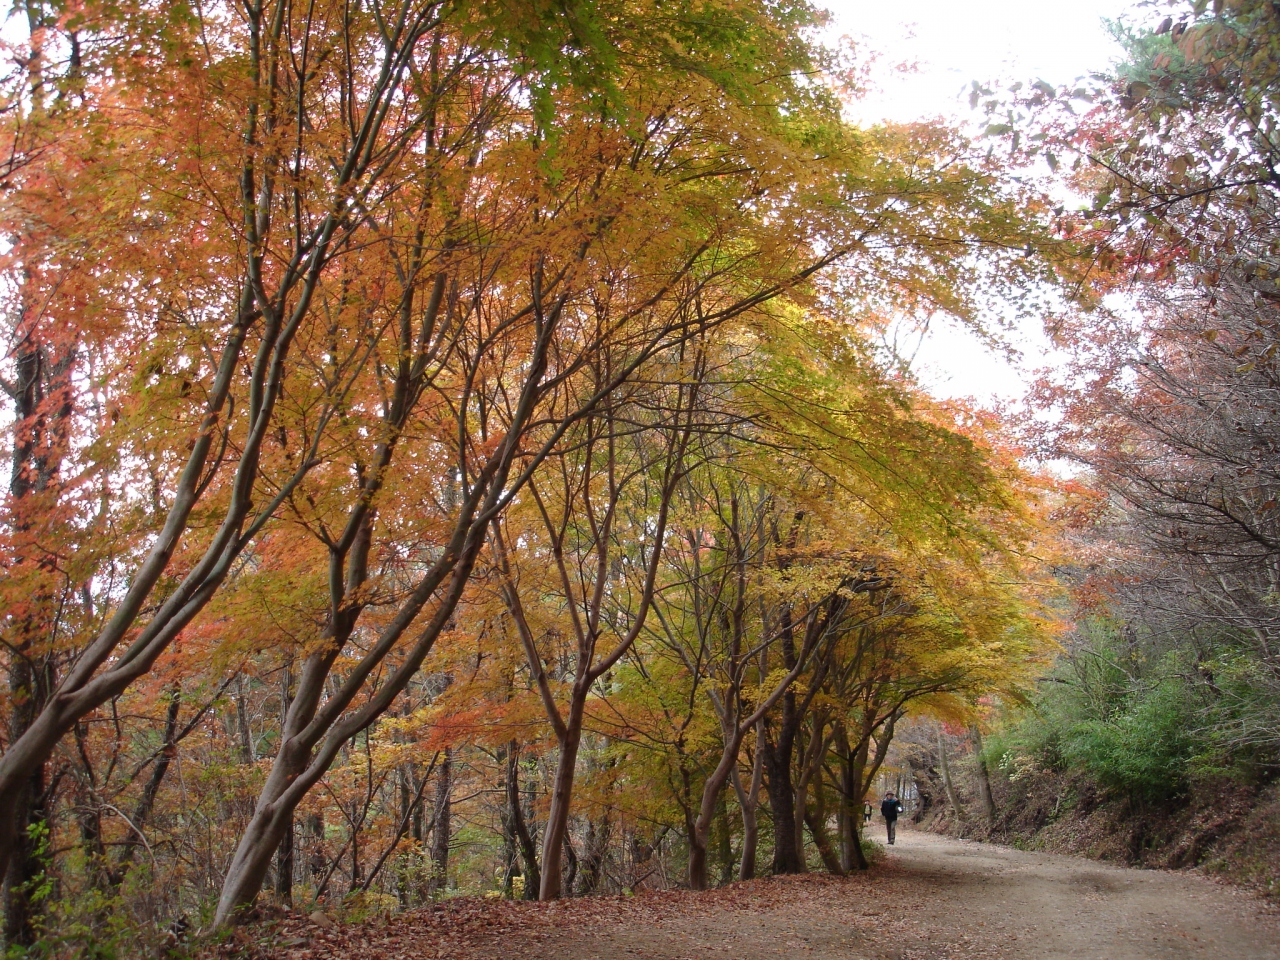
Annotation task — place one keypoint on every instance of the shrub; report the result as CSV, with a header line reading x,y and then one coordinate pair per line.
x,y
1144,748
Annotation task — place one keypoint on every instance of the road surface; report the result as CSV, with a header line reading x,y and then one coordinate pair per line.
x,y
932,898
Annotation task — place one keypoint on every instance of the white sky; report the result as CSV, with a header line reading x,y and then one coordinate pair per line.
x,y
952,43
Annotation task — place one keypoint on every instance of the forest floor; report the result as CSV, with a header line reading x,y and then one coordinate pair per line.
x,y
931,898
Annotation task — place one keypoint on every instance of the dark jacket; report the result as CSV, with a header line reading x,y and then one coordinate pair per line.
x,y
889,809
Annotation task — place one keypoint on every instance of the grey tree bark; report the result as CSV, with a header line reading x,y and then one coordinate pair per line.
x,y
983,777
947,783
442,818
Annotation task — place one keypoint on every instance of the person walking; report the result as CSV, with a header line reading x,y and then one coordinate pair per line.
x,y
890,807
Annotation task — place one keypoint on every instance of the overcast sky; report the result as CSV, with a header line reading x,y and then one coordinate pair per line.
x,y
952,43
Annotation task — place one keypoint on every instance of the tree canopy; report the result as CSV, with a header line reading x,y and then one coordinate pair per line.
x,y
449,450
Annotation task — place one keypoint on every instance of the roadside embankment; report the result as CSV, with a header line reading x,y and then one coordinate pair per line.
x,y
1228,830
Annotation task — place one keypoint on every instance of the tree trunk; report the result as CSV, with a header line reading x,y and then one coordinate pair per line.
x,y
749,804
858,858
443,828
285,852
698,875
570,866
515,810
724,840
416,826
510,866
242,723
845,814
801,806
814,816
557,831
946,778
262,836
855,784
984,778
712,791
356,822
25,821
787,857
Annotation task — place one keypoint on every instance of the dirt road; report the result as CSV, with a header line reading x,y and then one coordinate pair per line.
x,y
931,899
1032,905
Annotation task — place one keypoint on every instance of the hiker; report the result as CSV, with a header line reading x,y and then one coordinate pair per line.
x,y
890,807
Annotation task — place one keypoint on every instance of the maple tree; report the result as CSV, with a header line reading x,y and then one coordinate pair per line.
x,y
214,354
370,367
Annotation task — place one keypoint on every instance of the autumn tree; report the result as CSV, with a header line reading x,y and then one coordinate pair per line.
x,y
1166,403
345,283
259,183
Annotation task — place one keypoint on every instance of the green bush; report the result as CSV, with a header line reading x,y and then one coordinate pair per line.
x,y
1141,718
1144,748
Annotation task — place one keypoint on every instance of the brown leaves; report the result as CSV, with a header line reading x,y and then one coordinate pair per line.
x,y
883,912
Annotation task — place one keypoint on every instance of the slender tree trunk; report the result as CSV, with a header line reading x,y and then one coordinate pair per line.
x,y
415,823
946,778
557,830
856,785
25,822
802,812
356,819
800,805
515,810
712,791
846,814
984,778
443,829
788,855
510,857
284,852
749,804
815,817
242,722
